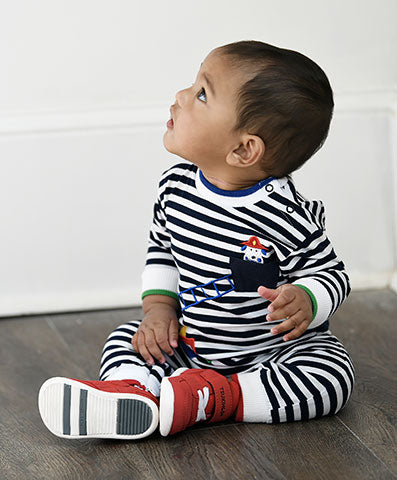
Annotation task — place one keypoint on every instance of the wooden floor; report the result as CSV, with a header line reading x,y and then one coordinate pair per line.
x,y
357,443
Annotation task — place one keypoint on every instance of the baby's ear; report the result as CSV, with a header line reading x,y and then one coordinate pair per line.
x,y
248,153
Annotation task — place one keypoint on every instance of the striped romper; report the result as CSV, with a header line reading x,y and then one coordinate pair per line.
x,y
211,249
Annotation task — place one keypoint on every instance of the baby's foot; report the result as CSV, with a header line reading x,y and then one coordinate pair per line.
x,y
122,409
192,395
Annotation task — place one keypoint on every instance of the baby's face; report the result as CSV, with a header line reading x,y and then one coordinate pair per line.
x,y
204,115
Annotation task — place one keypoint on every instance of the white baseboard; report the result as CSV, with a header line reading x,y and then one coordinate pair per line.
x,y
107,300
393,282
367,281
74,302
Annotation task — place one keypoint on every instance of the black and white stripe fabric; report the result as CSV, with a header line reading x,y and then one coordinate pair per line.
x,y
308,380
195,250
118,351
305,380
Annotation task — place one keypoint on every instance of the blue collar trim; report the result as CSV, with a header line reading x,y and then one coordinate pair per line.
x,y
235,193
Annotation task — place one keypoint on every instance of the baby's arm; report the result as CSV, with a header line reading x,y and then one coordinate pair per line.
x,y
159,328
318,282
291,302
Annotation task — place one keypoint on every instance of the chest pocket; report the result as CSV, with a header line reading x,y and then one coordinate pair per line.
x,y
248,276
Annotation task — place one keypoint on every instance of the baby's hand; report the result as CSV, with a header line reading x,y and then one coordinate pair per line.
x,y
291,302
158,331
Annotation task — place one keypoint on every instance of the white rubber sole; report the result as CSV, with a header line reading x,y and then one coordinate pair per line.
x,y
167,403
71,409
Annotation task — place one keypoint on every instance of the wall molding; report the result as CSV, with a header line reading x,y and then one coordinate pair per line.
x,y
376,280
43,304
393,282
110,118
50,303
376,100
44,122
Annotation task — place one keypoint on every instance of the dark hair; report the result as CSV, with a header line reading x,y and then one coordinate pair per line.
x,y
288,102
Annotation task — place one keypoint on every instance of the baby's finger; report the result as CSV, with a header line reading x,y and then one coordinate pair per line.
x,y
269,293
143,351
297,331
286,296
162,342
134,342
279,315
292,322
152,346
283,312
173,333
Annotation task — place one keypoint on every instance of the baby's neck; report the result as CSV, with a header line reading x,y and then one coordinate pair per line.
x,y
231,183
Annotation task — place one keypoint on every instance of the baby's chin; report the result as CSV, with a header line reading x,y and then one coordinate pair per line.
x,y
167,144
189,156
172,149
169,147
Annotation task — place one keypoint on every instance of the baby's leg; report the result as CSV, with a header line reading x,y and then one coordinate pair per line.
x,y
123,404
307,380
120,361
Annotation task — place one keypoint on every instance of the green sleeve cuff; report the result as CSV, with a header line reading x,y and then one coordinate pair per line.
x,y
160,292
312,297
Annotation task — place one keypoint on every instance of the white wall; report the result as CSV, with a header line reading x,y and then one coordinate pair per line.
x,y
84,96
393,148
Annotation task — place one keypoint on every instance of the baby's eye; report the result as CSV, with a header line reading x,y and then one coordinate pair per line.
x,y
202,90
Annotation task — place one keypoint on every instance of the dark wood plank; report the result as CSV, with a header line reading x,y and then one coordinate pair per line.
x,y
359,442
321,449
366,325
221,452
32,351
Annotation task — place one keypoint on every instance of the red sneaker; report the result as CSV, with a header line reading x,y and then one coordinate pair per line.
x,y
193,395
73,408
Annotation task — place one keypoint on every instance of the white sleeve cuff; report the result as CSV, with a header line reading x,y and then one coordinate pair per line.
x,y
160,277
320,293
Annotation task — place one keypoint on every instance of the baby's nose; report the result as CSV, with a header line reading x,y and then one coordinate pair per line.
x,y
178,96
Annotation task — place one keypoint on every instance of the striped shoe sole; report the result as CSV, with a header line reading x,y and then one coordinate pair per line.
x,y
71,409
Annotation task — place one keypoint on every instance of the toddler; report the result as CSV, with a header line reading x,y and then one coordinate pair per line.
x,y
240,279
